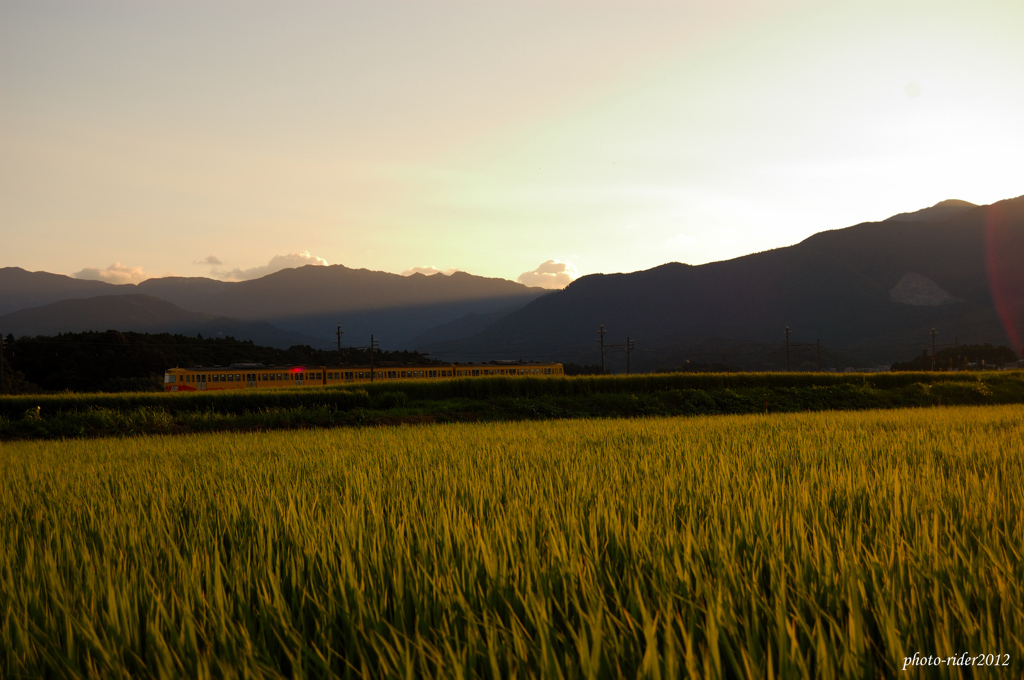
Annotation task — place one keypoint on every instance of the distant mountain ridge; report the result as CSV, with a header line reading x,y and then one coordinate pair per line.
x,y
310,301
940,211
835,286
142,314
870,293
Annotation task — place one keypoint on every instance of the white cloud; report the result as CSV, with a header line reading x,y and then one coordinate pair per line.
x,y
429,271
211,260
550,274
276,264
115,273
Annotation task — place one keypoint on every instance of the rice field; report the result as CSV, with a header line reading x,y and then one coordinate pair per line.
x,y
833,544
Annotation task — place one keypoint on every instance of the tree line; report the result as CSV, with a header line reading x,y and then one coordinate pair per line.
x,y
961,358
114,361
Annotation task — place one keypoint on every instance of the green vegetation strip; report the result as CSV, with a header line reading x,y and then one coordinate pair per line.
x,y
487,399
792,546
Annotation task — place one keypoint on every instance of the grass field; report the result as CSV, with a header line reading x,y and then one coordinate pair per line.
x,y
794,545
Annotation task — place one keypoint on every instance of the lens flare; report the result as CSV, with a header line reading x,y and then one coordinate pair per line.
x,y
1004,254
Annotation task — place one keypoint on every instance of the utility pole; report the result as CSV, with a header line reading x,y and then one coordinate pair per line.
x,y
819,355
600,332
933,334
373,350
3,372
787,349
629,348
339,333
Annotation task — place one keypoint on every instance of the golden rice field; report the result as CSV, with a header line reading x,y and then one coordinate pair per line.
x,y
802,545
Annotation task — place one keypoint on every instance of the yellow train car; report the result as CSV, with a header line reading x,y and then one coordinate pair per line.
x,y
259,376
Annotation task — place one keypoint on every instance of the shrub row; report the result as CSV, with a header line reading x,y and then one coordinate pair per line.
x,y
347,397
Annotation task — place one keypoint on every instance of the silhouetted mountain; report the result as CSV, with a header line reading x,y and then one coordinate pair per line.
x,y
870,293
142,314
309,300
463,327
20,289
943,210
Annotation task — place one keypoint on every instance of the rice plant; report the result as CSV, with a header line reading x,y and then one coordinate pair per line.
x,y
797,545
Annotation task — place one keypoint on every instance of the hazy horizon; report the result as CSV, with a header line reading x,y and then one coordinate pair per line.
x,y
529,141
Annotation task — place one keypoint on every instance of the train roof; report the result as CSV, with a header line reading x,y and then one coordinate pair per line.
x,y
297,367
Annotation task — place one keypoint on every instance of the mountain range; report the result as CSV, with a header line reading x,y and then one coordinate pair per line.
x,y
307,303
870,293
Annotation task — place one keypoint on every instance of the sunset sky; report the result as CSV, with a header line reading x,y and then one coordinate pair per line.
x,y
229,139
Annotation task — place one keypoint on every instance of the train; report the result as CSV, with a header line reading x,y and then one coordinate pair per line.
x,y
260,376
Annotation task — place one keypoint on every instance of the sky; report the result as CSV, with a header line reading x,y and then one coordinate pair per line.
x,y
534,141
